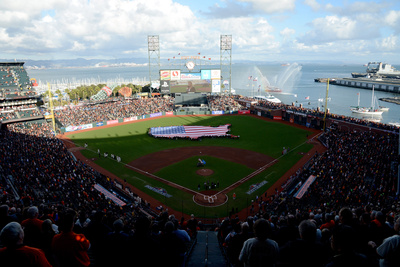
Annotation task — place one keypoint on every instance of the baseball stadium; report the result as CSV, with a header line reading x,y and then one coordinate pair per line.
x,y
184,158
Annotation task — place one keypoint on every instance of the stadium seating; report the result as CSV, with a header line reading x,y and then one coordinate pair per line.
x,y
358,171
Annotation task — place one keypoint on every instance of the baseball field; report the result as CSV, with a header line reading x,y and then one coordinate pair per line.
x,y
166,169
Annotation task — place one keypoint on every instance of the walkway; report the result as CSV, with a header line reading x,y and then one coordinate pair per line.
x,y
207,251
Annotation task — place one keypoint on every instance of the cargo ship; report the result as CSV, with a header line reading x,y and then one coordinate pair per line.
x,y
378,70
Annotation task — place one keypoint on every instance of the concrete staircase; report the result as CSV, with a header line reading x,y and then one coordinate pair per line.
x,y
207,251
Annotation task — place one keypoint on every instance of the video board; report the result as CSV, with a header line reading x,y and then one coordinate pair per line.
x,y
176,81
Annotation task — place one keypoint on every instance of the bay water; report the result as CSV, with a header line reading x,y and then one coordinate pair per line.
x,y
295,80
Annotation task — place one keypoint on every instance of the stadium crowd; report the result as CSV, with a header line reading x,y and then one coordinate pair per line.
x,y
319,113
51,214
223,102
112,110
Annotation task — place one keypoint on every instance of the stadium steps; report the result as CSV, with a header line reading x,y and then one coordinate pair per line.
x,y
207,251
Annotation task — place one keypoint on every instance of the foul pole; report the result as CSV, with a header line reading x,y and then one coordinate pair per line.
x,y
326,101
51,108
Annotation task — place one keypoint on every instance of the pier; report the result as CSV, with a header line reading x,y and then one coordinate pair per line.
x,y
385,85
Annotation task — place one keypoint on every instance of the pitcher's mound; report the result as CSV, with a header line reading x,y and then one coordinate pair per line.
x,y
204,172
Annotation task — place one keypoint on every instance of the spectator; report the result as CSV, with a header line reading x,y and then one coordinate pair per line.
x,y
172,247
118,253
305,251
389,250
32,227
192,226
5,218
342,244
182,234
70,248
260,250
15,253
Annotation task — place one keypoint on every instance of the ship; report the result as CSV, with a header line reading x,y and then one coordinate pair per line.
x,y
378,70
269,98
272,89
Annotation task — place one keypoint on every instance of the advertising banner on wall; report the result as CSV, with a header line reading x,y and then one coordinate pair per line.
x,y
158,114
77,128
216,86
205,74
175,75
130,119
164,87
216,74
191,76
112,122
165,75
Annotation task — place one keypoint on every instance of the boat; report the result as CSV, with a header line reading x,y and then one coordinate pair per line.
x,y
397,124
269,98
367,111
383,108
378,70
272,89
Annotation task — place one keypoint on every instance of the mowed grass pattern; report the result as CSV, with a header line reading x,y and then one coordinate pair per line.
x,y
131,141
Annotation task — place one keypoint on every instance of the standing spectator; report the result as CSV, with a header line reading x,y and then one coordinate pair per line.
x,y
260,250
342,244
304,251
15,253
5,218
182,234
32,227
70,248
118,253
46,239
389,250
192,226
172,246
236,243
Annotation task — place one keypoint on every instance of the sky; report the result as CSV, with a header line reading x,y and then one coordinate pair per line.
x,y
263,30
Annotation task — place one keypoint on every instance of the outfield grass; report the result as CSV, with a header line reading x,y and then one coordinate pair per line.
x,y
131,141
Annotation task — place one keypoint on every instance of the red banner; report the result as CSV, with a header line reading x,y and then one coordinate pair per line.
x,y
278,118
130,119
112,122
244,112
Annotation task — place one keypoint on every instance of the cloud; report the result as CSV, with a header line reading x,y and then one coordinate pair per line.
x,y
229,10
313,4
82,26
243,8
335,28
393,19
271,6
286,33
389,44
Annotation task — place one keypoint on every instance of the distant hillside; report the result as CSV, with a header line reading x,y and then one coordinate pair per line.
x,y
81,62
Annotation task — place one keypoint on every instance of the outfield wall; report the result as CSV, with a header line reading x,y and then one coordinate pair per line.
x,y
147,116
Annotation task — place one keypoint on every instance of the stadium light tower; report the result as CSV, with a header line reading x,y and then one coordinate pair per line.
x,y
153,42
226,60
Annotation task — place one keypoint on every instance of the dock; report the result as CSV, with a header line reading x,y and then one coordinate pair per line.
x,y
379,84
395,100
324,80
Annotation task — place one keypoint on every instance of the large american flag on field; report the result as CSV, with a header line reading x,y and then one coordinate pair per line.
x,y
192,132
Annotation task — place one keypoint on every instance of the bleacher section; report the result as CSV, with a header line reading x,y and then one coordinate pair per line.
x,y
17,96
